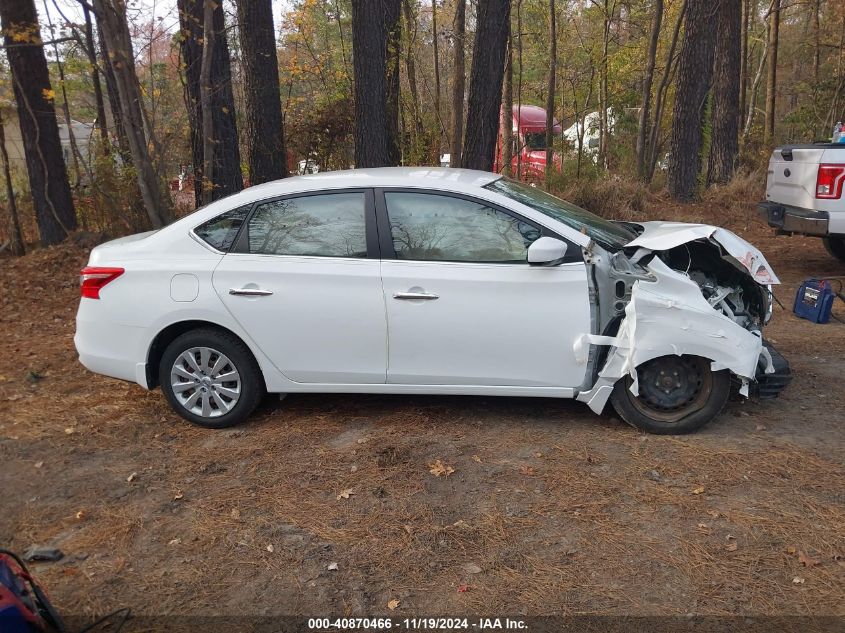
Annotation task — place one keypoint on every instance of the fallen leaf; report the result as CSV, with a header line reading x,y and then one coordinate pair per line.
x,y
39,464
344,494
392,604
131,478
363,440
332,567
798,580
409,529
731,547
791,550
760,427
698,491
80,514
471,568
70,430
236,514
178,496
807,561
175,541
439,468
463,588
526,470
270,548
476,458
703,526
713,513
538,455
730,537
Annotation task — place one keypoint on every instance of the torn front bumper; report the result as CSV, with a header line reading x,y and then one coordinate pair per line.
x,y
769,385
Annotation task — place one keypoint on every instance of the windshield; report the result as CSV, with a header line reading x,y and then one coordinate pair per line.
x,y
535,140
608,234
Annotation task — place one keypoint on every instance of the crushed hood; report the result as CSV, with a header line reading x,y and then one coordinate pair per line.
x,y
662,236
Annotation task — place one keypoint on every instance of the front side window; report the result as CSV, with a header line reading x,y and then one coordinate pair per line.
x,y
221,231
329,225
433,227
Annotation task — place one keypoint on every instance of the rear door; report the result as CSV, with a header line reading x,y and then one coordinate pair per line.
x,y
463,305
303,281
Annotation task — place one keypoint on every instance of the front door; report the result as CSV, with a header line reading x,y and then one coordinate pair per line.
x,y
463,305
303,288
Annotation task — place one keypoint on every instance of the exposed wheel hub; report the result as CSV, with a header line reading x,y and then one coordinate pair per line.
x,y
672,387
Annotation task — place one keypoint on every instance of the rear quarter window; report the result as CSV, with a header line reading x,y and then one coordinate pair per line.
x,y
220,232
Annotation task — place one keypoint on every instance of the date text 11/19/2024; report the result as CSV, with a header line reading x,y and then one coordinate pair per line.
x,y
416,624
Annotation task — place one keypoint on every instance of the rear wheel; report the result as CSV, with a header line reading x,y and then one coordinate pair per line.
x,y
835,245
677,394
210,378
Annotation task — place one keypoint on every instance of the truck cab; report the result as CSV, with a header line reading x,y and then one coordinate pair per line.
x,y
804,189
528,161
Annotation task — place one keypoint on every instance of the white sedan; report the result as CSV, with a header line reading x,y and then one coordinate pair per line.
x,y
434,281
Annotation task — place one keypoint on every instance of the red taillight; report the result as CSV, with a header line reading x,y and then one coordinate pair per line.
x,y
93,278
829,182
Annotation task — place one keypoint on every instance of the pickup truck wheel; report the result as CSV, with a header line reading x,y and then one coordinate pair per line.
x,y
836,247
677,394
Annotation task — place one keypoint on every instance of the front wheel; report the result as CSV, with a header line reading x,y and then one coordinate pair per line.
x,y
835,245
210,378
677,394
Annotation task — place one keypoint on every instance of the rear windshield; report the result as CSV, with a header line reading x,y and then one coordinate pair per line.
x,y
608,234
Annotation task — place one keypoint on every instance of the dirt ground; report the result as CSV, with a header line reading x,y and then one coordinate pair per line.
x,y
550,509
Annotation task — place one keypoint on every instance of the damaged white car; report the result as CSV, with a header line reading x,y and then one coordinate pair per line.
x,y
430,281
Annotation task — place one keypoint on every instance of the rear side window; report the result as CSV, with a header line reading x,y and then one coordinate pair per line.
x,y
220,232
326,225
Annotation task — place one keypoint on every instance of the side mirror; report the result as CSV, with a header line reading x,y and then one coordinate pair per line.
x,y
546,251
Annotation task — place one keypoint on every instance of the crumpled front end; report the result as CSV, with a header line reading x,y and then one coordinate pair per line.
x,y
679,290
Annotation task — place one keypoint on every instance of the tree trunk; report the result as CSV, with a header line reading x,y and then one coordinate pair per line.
x,y
485,89
411,71
16,244
743,55
91,51
113,96
603,87
227,156
369,59
654,145
507,114
458,84
45,165
262,115
111,16
205,102
724,139
816,8
550,97
435,36
694,72
393,25
648,80
518,87
771,80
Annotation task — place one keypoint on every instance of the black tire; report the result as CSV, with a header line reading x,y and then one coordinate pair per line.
x,y
678,394
835,245
249,386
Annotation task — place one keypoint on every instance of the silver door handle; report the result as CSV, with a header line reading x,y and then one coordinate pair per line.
x,y
250,292
425,296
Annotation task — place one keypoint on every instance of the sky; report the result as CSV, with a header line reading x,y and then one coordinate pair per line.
x,y
159,10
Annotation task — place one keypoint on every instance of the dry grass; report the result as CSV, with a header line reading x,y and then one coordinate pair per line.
x,y
556,506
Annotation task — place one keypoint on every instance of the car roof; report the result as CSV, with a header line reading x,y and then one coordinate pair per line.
x,y
439,177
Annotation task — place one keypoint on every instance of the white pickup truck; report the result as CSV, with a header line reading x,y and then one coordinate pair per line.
x,y
804,193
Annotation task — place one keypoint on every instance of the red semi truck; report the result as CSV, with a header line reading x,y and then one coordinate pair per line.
x,y
528,160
